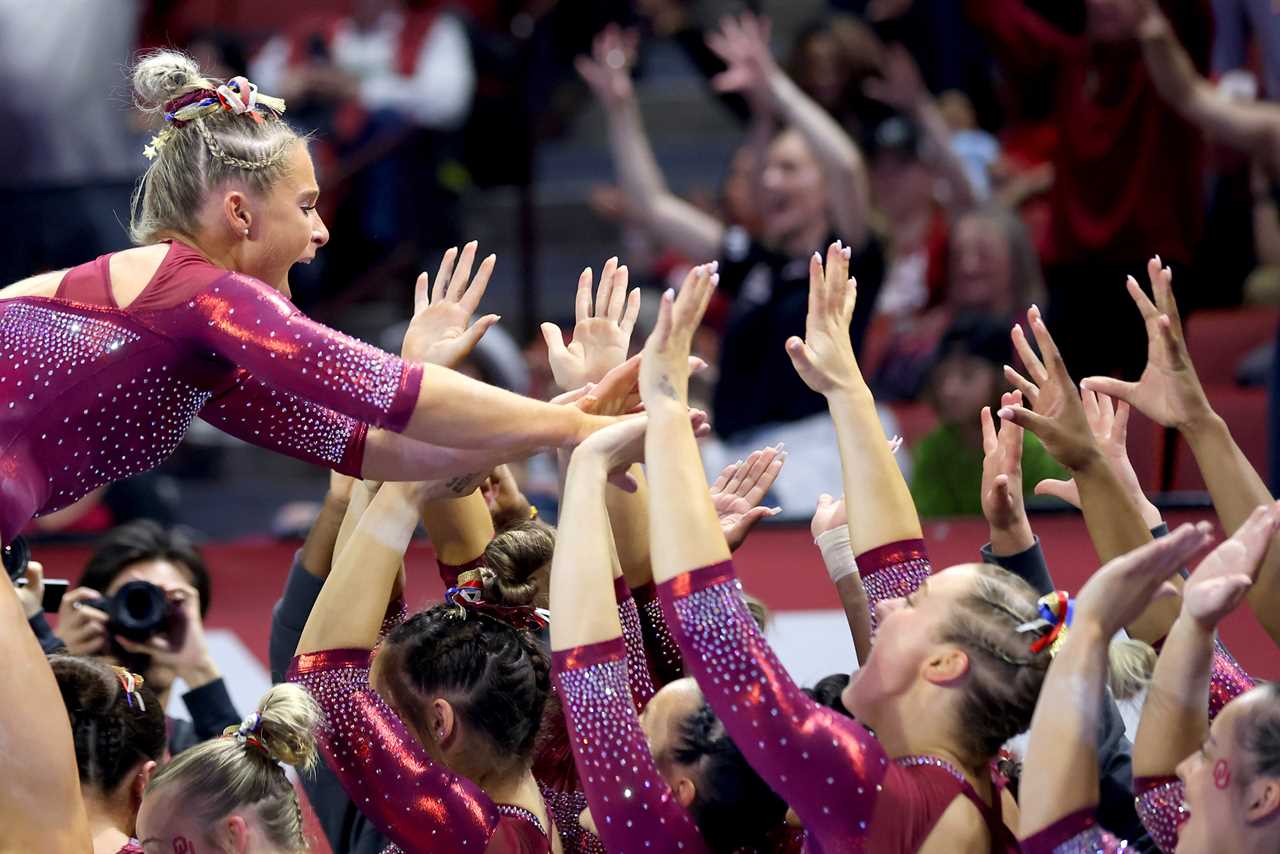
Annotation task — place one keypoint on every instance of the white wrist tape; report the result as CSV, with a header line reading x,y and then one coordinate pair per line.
x,y
837,553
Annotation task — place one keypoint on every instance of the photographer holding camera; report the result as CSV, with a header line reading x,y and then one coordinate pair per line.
x,y
140,602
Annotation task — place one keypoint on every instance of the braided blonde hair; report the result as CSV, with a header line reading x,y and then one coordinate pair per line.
x,y
204,154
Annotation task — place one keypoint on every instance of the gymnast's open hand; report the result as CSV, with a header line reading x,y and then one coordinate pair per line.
x,y
441,332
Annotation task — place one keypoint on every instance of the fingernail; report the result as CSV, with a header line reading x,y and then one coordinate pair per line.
x,y
839,244
669,294
1005,413
848,253
715,266
715,279
817,256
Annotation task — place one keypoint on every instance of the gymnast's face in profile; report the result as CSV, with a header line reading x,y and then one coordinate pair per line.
x,y
284,226
906,651
1222,790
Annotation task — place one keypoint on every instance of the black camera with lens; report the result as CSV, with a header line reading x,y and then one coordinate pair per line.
x,y
139,610
16,555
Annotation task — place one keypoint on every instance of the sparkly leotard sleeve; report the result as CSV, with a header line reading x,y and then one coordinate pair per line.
x,y
383,768
1077,833
235,319
251,410
1160,808
892,571
662,651
631,804
827,767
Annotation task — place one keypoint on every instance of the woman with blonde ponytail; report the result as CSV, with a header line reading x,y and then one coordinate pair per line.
x,y
231,793
196,320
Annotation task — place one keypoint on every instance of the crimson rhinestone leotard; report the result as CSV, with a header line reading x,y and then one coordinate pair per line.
x,y
91,392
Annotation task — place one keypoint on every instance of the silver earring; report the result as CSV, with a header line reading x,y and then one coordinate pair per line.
x,y
246,232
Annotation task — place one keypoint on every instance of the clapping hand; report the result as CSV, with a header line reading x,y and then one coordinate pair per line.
x,y
739,489
602,332
1058,420
441,331
1168,392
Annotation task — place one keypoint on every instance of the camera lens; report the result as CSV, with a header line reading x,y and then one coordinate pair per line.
x,y
139,610
16,555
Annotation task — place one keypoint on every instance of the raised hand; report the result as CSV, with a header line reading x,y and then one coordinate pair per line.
x,y
608,70
1002,476
900,84
1168,392
739,489
1058,420
1223,578
829,515
602,332
824,357
1120,591
743,44
664,368
441,331
1110,425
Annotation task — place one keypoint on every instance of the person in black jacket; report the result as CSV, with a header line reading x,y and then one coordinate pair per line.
x,y
145,551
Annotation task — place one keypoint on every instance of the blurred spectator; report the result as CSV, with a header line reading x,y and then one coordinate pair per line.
x,y
1128,170
70,155
387,88
966,376
990,268
144,551
1234,22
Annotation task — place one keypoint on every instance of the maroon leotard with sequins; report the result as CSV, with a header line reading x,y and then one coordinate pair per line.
x,y
91,392
850,796
422,806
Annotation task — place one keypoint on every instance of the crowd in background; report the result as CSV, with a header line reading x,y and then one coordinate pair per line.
x,y
924,189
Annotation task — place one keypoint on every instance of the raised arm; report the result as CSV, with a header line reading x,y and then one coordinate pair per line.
x,y
1251,127
1175,719
670,219
743,43
1058,419
901,87
1169,393
739,674
1059,789
830,531
42,809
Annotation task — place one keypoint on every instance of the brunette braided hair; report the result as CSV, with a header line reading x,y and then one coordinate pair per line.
x,y
110,734
733,807
1004,674
498,677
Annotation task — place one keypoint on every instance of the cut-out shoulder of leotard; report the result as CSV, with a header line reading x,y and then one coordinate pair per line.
x,y
130,270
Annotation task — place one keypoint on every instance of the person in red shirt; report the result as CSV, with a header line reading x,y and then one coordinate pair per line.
x,y
1127,168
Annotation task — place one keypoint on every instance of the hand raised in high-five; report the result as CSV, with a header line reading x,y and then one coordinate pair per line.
x,y
1168,391
608,70
441,331
1110,425
1002,503
1058,420
665,363
601,333
824,357
1223,578
1116,594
